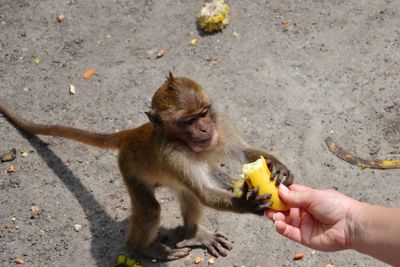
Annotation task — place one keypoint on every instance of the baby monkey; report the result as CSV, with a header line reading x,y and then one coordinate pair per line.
x,y
179,148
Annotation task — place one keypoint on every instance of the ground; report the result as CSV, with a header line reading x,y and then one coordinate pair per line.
x,y
331,70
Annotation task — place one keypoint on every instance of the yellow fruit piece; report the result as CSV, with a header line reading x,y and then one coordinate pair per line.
x,y
194,41
123,260
257,174
213,16
238,188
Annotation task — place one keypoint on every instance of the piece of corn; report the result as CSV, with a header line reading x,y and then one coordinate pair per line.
x,y
257,174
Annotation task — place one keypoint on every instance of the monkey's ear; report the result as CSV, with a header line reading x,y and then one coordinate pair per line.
x,y
155,120
171,81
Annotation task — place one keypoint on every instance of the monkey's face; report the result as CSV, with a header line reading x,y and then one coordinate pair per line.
x,y
181,109
198,130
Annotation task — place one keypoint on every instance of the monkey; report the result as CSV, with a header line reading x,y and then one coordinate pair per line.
x,y
179,148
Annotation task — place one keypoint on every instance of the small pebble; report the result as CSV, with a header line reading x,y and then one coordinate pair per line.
x,y
71,89
298,256
60,18
35,209
11,169
197,260
77,227
285,21
9,156
19,261
160,53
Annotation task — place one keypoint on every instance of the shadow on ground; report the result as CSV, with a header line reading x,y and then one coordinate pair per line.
x,y
107,233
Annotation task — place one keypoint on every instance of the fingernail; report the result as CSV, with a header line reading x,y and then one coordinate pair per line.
x,y
283,188
275,217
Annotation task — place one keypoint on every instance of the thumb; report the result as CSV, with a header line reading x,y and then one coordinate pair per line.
x,y
295,198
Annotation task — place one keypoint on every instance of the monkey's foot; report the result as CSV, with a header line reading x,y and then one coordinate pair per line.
x,y
162,252
216,243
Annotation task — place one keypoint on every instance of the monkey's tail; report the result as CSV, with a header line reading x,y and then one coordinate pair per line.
x,y
111,140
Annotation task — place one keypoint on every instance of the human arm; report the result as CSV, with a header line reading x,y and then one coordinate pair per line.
x,y
376,232
327,220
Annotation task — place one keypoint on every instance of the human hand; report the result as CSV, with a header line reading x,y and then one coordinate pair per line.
x,y
318,219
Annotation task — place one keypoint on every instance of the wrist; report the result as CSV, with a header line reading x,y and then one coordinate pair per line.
x,y
354,226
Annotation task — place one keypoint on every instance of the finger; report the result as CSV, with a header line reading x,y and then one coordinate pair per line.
x,y
298,187
279,216
296,198
221,250
289,179
274,170
263,207
278,178
308,222
288,231
224,236
212,250
270,213
253,193
263,197
245,190
225,243
188,243
294,217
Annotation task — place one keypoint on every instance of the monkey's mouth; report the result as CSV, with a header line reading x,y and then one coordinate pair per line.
x,y
204,144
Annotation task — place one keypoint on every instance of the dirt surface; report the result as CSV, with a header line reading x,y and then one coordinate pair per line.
x,y
332,70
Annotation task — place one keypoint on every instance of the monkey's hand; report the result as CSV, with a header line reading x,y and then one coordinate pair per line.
x,y
280,173
251,202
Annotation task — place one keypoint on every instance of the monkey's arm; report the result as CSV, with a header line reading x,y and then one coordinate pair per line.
x,y
224,180
220,199
223,200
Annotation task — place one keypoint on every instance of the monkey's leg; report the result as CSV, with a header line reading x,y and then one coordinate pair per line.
x,y
196,235
144,223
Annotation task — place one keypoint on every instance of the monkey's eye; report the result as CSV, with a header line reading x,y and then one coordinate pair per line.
x,y
204,113
189,121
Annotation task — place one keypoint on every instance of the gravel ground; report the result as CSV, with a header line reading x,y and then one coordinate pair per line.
x,y
332,70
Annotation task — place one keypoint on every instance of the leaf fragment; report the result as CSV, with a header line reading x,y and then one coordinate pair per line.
x,y
89,73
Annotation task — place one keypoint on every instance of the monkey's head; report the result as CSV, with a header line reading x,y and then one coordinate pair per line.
x,y
181,109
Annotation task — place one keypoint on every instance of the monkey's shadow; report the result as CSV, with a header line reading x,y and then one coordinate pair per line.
x,y
107,233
